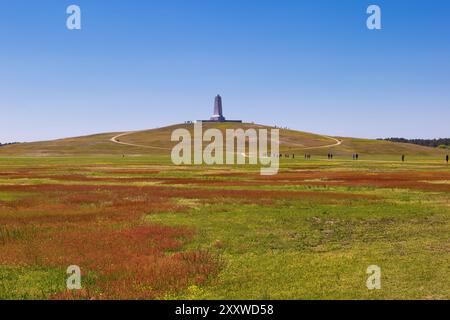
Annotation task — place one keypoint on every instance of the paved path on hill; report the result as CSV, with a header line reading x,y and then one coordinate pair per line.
x,y
337,143
115,140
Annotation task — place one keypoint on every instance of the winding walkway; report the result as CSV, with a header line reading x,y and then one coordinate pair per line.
x,y
115,140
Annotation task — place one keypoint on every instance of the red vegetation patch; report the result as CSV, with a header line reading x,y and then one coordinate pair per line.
x,y
130,171
100,229
403,179
130,262
157,192
399,179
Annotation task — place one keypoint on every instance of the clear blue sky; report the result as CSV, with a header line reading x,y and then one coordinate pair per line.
x,y
309,65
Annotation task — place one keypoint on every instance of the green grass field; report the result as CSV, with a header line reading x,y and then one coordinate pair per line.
x,y
142,228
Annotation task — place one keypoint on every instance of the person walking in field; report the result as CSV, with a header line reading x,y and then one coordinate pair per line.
x,y
403,158
446,158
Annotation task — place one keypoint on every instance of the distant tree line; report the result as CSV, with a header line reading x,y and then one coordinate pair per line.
x,y
435,143
6,144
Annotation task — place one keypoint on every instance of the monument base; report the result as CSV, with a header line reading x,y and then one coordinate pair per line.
x,y
219,121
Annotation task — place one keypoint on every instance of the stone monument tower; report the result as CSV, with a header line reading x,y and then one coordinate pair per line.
x,y
218,113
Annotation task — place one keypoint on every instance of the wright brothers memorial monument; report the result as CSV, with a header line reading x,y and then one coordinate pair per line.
x,y
218,113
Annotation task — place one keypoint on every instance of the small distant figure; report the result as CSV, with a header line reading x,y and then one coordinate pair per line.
x,y
446,158
331,156
293,156
403,158
357,156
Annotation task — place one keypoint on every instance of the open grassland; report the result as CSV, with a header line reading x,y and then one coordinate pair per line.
x,y
140,227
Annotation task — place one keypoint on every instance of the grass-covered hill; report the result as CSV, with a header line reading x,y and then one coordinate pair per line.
x,y
157,141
